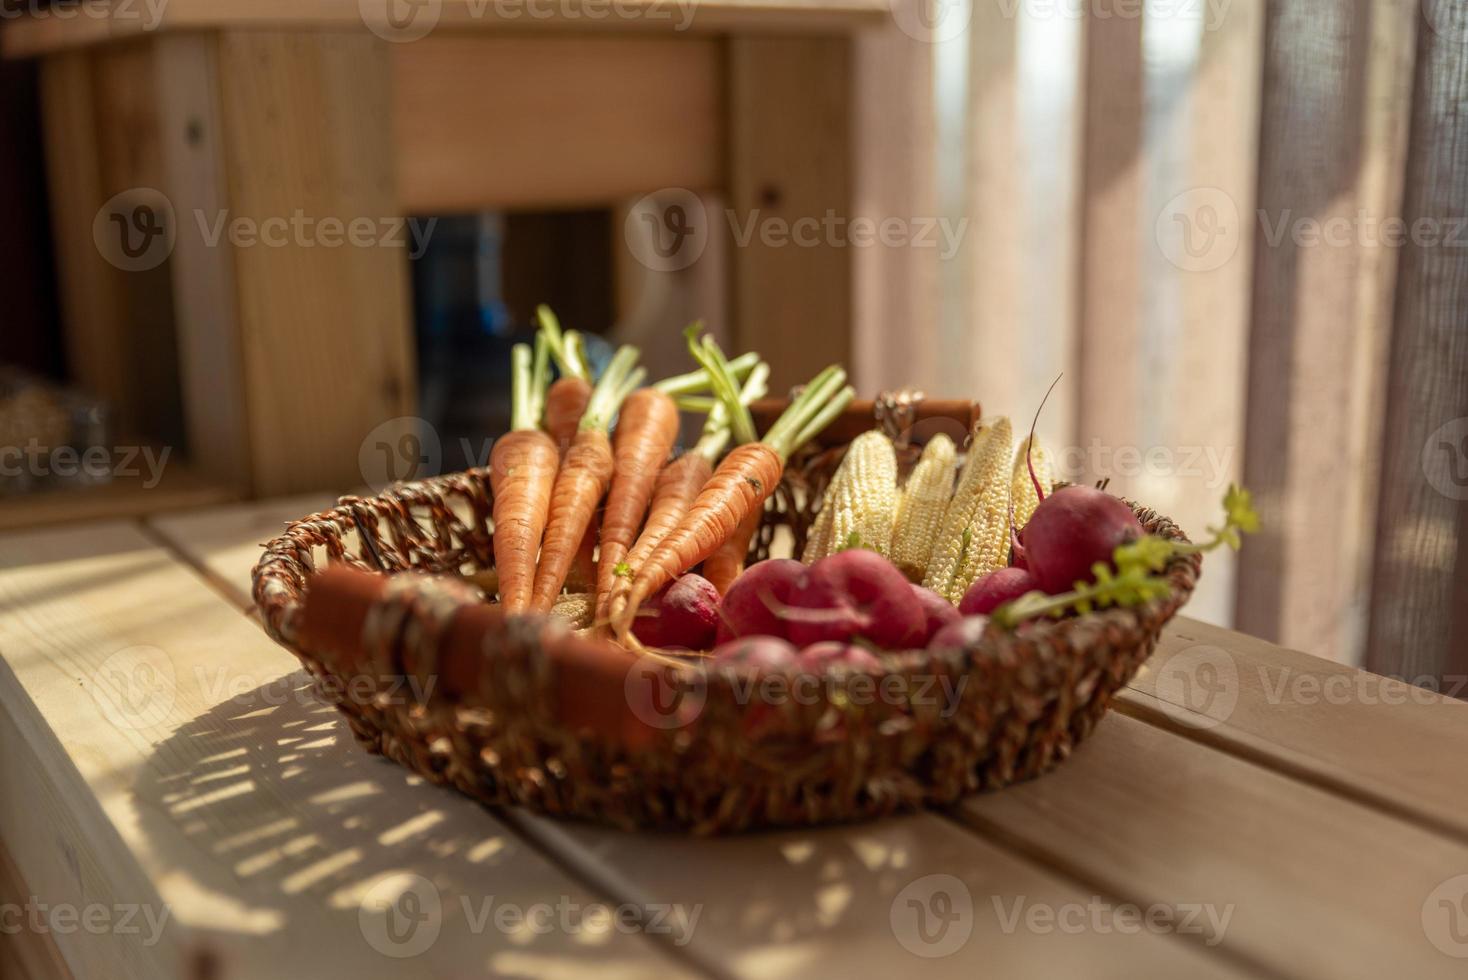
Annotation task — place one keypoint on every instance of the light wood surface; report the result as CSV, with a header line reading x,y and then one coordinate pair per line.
x,y
162,751
490,122
1315,806
325,330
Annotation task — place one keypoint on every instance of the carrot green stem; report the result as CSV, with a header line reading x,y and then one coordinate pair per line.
x,y
698,381
576,350
784,434
825,417
633,382
715,437
522,391
726,389
540,376
701,404
610,390
563,352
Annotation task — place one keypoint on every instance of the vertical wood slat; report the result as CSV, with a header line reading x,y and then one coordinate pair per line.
x,y
1419,605
790,145
1327,154
205,304
325,331
893,145
91,308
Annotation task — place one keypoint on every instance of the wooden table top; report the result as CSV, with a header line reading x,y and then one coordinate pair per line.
x,y
1246,811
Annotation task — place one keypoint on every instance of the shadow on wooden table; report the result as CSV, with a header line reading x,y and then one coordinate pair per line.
x,y
347,860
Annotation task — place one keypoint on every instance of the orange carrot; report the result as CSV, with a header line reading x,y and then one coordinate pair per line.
x,y
565,403
646,429
582,576
723,566
585,474
679,483
522,470
742,481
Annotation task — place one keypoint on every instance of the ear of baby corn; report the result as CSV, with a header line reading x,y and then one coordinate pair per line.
x,y
920,509
866,495
1022,487
974,536
861,502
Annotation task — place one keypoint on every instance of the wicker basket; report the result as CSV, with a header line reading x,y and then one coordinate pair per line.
x,y
517,710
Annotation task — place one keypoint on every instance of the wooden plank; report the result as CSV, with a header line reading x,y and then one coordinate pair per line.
x,y
496,122
894,168
790,147
26,951
1293,880
205,304
224,543
162,751
1314,389
1356,733
326,329
853,901
779,904
129,494
40,34
1419,602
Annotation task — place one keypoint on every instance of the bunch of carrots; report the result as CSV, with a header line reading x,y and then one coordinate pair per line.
x,y
584,445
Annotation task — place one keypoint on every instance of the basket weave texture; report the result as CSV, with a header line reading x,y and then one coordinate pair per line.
x,y
719,749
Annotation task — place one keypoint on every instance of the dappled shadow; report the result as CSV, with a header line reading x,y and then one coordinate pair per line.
x,y
265,811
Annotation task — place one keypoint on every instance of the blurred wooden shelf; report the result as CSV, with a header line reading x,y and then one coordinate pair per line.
x,y
40,34
179,488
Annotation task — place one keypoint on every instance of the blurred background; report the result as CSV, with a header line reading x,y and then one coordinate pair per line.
x,y
260,248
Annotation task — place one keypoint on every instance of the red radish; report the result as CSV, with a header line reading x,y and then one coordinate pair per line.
x,y
755,603
960,635
685,614
855,593
938,610
831,653
1071,530
995,589
759,652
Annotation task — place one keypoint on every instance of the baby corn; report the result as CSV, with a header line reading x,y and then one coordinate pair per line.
x,y
860,505
920,510
1023,488
974,536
